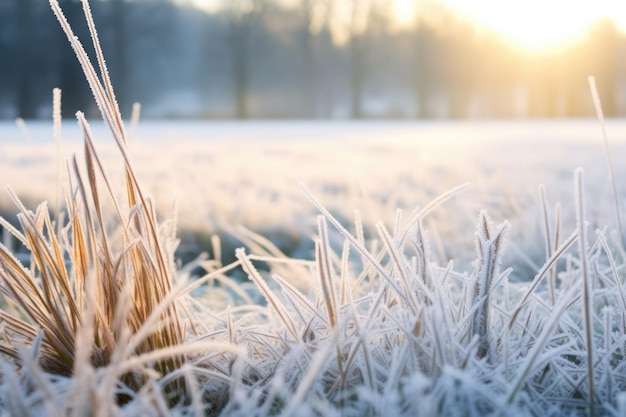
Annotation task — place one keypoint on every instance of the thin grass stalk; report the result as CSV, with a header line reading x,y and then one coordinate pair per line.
x,y
104,72
546,221
229,326
90,73
586,284
555,244
409,294
21,124
489,246
277,305
358,225
56,120
542,272
420,244
325,272
615,274
217,250
89,226
609,161
398,222
345,271
76,249
135,115
548,238
608,380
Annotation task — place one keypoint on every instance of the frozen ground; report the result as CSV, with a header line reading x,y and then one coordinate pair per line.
x,y
222,174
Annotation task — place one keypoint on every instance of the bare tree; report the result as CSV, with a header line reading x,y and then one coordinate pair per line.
x,y
359,20
314,17
423,76
120,68
24,23
243,15
366,18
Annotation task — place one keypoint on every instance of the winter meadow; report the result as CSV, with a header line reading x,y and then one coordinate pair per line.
x,y
388,268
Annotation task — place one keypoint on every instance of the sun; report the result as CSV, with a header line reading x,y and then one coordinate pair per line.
x,y
540,25
403,12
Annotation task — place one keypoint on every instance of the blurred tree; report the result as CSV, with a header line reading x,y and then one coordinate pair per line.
x,y
359,20
119,58
243,16
459,55
23,58
366,18
604,54
314,14
424,69
5,51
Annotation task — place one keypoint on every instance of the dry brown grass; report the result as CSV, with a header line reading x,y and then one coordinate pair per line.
x,y
98,287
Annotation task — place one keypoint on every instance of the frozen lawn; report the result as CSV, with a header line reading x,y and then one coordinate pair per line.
x,y
382,326
224,174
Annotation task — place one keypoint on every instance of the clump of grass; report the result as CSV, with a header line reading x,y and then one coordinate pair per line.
x,y
98,291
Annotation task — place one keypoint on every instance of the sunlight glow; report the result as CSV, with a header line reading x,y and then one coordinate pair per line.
x,y
403,12
534,25
540,25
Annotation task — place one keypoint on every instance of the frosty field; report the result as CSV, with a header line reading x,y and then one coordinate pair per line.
x,y
220,175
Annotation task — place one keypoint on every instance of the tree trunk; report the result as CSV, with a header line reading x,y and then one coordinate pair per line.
x,y
24,96
357,75
310,75
240,70
119,70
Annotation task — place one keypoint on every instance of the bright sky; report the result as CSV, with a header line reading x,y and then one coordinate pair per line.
x,y
539,25
534,25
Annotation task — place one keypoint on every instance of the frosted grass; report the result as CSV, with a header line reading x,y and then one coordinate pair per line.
x,y
380,324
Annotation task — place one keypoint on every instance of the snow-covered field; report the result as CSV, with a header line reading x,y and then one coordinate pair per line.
x,y
223,174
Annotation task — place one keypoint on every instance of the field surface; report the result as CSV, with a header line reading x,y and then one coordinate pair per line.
x,y
220,175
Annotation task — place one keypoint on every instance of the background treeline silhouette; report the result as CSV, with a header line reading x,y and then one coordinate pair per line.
x,y
258,58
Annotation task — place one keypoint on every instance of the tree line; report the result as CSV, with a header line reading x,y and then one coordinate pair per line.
x,y
263,59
